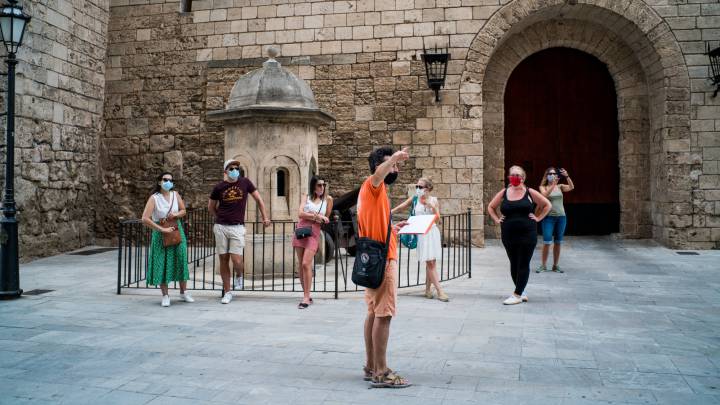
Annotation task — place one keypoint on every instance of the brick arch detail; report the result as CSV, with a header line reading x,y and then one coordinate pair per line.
x,y
651,81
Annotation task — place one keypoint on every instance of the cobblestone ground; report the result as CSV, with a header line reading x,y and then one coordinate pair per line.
x,y
629,322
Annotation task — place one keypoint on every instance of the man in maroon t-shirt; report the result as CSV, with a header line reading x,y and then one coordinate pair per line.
x,y
227,204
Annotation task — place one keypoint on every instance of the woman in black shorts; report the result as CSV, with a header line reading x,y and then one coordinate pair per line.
x,y
521,208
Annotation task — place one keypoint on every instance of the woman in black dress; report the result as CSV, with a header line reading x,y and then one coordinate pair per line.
x,y
521,208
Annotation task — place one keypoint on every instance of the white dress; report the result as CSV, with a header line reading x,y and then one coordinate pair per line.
x,y
429,246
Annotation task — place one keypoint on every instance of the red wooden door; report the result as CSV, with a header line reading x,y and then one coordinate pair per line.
x,y
561,110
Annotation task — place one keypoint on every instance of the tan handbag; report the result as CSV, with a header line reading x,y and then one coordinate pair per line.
x,y
173,238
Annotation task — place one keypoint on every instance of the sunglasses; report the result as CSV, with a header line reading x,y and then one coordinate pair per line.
x,y
552,173
166,179
420,187
233,168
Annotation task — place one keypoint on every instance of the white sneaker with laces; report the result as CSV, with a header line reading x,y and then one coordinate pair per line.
x,y
165,301
512,300
238,283
226,298
187,297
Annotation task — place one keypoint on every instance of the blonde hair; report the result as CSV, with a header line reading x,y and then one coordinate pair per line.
x,y
522,171
427,182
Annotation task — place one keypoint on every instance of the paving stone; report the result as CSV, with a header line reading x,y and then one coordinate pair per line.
x,y
579,340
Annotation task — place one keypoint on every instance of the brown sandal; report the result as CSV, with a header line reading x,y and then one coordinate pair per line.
x,y
368,374
389,380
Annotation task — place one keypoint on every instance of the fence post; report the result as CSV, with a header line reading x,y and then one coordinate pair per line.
x,y
337,253
120,249
469,242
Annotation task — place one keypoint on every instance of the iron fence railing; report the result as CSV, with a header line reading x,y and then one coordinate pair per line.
x,y
270,263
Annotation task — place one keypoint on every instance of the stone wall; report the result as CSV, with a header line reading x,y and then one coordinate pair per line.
x,y
59,114
165,69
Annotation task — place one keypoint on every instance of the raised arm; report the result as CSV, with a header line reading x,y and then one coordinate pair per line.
x,y
493,207
402,206
570,186
386,167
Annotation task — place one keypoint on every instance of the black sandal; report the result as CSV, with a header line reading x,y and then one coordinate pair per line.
x,y
303,305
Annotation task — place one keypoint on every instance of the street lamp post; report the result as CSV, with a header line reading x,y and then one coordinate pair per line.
x,y
12,28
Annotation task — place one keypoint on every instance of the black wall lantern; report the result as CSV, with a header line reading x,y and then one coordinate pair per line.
x,y
714,56
436,69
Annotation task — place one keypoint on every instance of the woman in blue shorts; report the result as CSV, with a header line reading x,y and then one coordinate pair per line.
x,y
553,225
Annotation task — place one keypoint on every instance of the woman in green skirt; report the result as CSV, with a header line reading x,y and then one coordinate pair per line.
x,y
166,264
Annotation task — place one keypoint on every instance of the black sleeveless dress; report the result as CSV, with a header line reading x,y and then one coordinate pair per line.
x,y
518,227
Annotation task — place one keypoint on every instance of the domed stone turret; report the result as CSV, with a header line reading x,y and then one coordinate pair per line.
x,y
271,85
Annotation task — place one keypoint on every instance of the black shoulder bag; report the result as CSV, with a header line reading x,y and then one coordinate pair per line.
x,y
370,258
302,232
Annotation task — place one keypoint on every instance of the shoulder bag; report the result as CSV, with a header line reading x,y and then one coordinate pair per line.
x,y
171,238
410,240
302,232
370,261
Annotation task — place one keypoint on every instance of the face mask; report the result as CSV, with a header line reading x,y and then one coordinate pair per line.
x,y
234,174
390,178
167,185
551,178
420,192
515,180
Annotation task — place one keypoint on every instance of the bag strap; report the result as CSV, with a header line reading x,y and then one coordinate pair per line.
x,y
387,239
172,202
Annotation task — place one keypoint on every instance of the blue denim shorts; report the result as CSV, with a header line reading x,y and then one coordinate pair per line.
x,y
553,227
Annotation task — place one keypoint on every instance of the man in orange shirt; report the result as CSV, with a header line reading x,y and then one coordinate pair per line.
x,y
373,214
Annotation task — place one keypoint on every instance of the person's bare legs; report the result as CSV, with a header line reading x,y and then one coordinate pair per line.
x,y
300,253
380,336
369,362
432,276
164,289
225,272
545,253
183,287
307,269
556,253
238,266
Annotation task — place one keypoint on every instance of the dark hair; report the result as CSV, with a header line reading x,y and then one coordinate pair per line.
x,y
377,157
313,183
156,189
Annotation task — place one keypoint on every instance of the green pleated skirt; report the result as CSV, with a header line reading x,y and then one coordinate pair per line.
x,y
167,264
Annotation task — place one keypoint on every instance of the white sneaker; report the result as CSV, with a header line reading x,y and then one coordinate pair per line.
x,y
226,298
238,283
524,297
512,300
165,301
187,297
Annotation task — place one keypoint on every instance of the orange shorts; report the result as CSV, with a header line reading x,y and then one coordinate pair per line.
x,y
382,301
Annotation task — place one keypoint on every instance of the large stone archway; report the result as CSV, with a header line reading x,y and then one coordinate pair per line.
x,y
653,102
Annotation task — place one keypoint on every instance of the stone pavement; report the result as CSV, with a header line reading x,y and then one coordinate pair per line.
x,y
629,322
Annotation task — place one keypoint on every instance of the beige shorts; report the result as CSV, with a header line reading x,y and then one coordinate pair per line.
x,y
229,239
382,301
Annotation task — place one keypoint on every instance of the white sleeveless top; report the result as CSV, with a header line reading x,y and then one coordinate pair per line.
x,y
162,206
312,208
422,209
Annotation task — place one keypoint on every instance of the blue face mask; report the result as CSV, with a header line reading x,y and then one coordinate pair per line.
x,y
234,174
167,185
551,178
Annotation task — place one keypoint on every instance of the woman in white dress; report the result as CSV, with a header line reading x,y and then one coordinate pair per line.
x,y
429,246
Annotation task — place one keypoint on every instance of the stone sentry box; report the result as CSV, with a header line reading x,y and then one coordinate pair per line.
x,y
271,123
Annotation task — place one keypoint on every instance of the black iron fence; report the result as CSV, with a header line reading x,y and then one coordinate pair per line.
x,y
270,263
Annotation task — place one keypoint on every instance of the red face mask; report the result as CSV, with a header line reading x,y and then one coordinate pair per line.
x,y
515,180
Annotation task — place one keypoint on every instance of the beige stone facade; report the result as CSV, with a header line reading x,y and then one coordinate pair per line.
x,y
59,117
165,69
